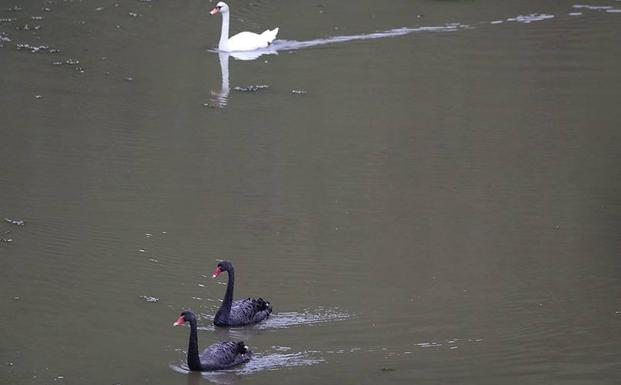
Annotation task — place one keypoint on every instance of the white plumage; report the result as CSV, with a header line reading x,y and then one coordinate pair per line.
x,y
243,41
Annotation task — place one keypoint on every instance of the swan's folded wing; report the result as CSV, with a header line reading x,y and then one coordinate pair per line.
x,y
250,310
223,355
250,305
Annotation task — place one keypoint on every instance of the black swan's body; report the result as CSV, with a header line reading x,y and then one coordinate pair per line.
x,y
242,312
221,355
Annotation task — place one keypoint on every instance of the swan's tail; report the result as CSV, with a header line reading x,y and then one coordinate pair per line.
x,y
262,305
270,35
242,348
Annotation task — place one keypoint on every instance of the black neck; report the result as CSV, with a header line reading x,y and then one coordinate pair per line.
x,y
194,362
228,296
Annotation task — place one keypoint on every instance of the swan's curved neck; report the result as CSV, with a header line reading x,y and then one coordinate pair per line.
x,y
224,33
194,362
227,301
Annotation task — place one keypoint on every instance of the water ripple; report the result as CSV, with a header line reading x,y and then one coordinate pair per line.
x,y
592,7
526,19
308,317
292,45
285,320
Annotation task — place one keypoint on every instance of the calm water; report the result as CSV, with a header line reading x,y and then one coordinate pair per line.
x,y
427,191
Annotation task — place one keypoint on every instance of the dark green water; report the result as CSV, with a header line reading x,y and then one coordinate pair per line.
x,y
438,207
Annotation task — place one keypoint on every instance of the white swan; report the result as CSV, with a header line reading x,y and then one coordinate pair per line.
x,y
243,41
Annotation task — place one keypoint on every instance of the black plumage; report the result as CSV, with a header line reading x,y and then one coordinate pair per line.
x,y
241,312
219,356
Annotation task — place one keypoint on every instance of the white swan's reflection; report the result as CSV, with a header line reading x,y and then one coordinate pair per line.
x,y
221,97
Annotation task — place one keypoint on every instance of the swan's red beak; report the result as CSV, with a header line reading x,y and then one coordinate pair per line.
x,y
179,321
214,11
216,272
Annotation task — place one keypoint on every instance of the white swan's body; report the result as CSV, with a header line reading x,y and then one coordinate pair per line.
x,y
243,41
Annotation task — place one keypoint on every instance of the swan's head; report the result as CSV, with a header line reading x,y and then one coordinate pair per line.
x,y
222,266
185,316
221,7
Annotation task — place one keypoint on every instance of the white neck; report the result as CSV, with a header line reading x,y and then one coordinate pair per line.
x,y
224,34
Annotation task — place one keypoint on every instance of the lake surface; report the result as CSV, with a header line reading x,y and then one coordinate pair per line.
x,y
428,192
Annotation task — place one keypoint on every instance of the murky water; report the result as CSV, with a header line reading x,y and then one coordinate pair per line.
x,y
427,192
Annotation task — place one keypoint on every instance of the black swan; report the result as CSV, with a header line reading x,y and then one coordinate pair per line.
x,y
242,312
221,355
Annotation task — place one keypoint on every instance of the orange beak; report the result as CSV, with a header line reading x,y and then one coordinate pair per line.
x,y
214,11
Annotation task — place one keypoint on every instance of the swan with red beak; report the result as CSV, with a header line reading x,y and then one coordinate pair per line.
x,y
219,356
241,312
